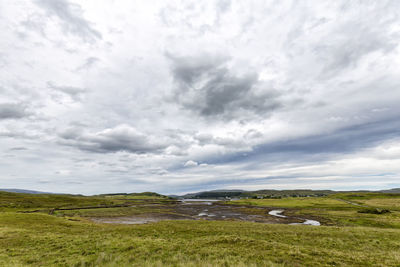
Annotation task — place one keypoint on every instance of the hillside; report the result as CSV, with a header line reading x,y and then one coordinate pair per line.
x,y
265,193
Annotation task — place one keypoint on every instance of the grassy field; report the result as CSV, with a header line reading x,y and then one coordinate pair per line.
x,y
344,209
71,239
294,202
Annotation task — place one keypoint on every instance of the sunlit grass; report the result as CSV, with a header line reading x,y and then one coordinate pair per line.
x,y
112,212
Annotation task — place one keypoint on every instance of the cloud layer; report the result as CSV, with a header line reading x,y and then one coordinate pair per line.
x,y
103,96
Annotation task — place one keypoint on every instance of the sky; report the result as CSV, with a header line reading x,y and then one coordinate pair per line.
x,y
182,96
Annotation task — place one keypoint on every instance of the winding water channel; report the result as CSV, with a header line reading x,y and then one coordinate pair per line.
x,y
278,213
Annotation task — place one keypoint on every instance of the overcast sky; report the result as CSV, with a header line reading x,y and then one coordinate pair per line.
x,y
179,96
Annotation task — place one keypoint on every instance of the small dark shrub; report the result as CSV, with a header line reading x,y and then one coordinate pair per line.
x,y
374,211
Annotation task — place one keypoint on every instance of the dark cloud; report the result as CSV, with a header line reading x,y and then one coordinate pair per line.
x,y
320,147
206,86
120,138
344,140
71,18
12,111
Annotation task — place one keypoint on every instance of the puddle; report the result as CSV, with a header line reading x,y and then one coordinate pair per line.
x,y
126,220
308,222
277,213
189,201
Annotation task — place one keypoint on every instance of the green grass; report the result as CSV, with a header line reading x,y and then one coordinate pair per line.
x,y
337,209
378,200
69,238
33,201
128,197
112,212
293,202
44,240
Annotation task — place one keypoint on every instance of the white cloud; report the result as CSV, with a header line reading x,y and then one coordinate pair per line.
x,y
190,163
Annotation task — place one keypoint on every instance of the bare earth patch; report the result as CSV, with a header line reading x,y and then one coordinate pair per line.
x,y
212,211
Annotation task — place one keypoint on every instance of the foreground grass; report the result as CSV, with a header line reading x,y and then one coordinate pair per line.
x,y
44,240
67,237
113,212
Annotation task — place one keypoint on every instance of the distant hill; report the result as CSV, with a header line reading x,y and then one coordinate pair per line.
x,y
296,192
271,193
14,190
221,193
393,191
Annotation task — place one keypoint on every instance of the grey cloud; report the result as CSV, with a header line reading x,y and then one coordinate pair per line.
x,y
207,87
13,111
71,18
89,62
356,42
321,146
16,134
73,182
223,5
18,148
344,39
204,138
35,23
75,93
120,138
3,61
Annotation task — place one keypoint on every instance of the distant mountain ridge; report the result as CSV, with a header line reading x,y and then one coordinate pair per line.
x,y
24,191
